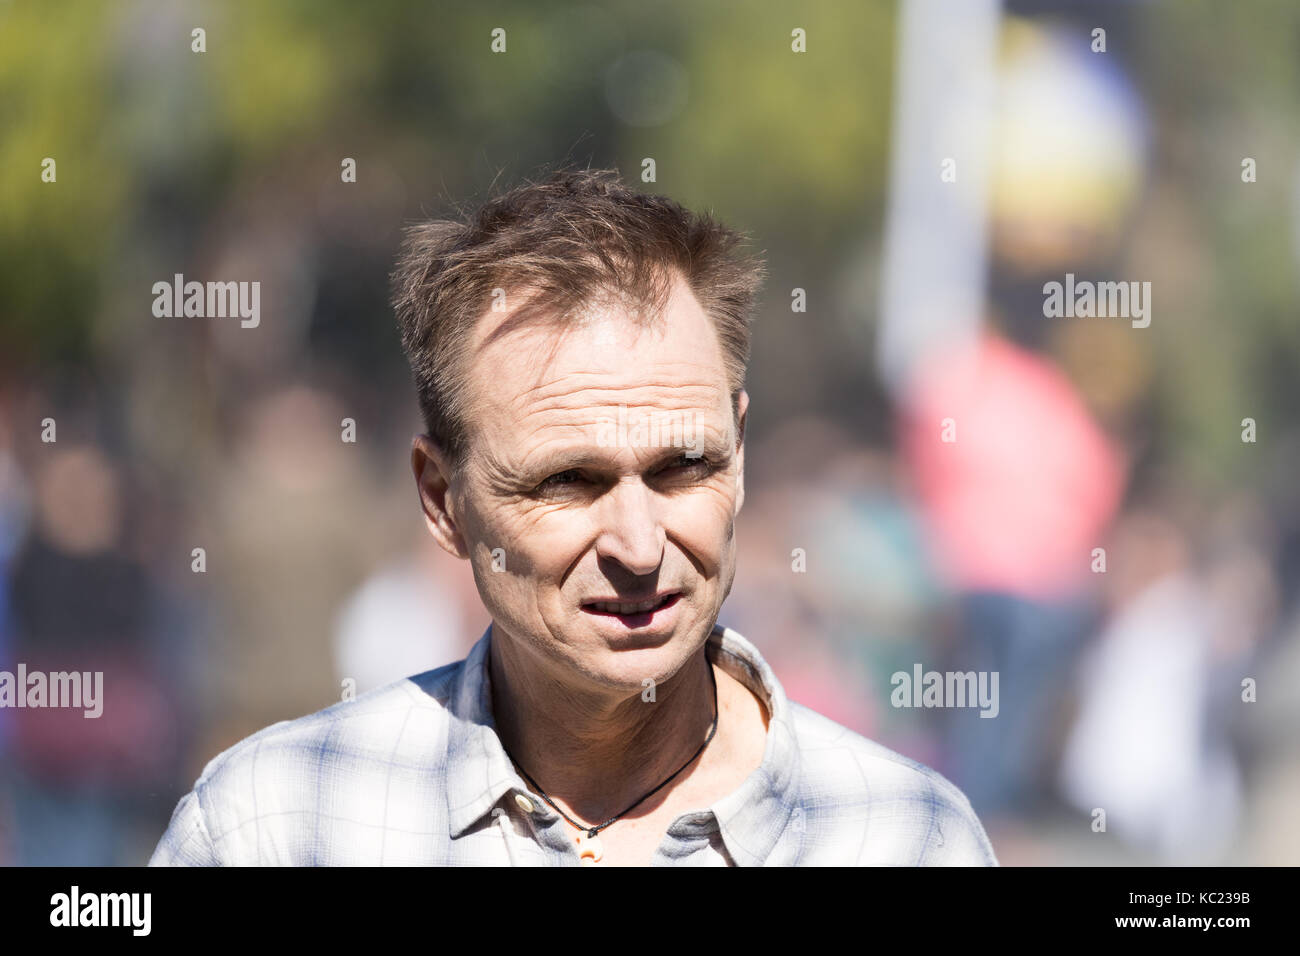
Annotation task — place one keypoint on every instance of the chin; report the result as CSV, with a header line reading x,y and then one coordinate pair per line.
x,y
628,659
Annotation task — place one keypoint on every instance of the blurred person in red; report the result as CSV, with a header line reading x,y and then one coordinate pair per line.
x,y
1018,475
1018,486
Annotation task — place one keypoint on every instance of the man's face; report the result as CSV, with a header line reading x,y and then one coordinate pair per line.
x,y
565,504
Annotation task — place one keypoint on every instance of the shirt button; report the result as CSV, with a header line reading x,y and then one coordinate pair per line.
x,y
525,804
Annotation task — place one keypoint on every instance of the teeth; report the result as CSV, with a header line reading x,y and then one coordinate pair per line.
x,y
610,607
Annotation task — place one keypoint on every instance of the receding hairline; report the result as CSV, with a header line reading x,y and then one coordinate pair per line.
x,y
538,310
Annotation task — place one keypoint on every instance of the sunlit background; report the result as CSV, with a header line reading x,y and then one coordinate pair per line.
x,y
919,172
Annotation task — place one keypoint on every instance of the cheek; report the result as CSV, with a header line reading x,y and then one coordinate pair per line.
x,y
506,564
704,523
510,544
545,536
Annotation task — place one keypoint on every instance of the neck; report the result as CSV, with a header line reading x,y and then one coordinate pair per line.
x,y
595,752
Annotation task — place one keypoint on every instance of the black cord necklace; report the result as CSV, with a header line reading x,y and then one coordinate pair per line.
x,y
591,848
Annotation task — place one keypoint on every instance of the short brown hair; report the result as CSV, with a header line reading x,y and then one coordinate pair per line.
x,y
578,236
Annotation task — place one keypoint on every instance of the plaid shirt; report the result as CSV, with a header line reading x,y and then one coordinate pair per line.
x,y
414,774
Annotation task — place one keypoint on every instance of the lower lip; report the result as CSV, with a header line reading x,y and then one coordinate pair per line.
x,y
658,619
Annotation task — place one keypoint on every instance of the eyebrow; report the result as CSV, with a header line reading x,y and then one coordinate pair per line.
x,y
713,449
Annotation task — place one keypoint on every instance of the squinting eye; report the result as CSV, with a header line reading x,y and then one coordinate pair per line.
x,y
686,460
559,478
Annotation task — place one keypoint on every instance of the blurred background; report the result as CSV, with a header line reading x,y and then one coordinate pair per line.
x,y
919,169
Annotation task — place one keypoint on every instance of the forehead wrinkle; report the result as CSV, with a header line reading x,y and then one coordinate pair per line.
x,y
580,437
566,395
557,444
543,430
672,371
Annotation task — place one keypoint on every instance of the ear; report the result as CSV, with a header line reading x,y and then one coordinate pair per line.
x,y
433,479
742,408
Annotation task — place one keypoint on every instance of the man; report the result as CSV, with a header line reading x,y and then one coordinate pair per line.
x,y
579,352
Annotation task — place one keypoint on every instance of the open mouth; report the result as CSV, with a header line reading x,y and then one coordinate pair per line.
x,y
633,613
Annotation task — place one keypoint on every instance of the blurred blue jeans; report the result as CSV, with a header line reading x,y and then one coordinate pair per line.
x,y
1003,763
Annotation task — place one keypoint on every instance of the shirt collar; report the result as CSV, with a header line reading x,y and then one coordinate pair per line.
x,y
753,817
750,820
478,772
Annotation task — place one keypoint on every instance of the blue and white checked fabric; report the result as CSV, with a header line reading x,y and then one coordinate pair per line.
x,y
414,774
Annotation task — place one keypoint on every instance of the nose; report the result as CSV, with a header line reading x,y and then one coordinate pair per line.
x,y
631,533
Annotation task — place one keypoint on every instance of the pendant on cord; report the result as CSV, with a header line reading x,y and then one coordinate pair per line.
x,y
589,848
